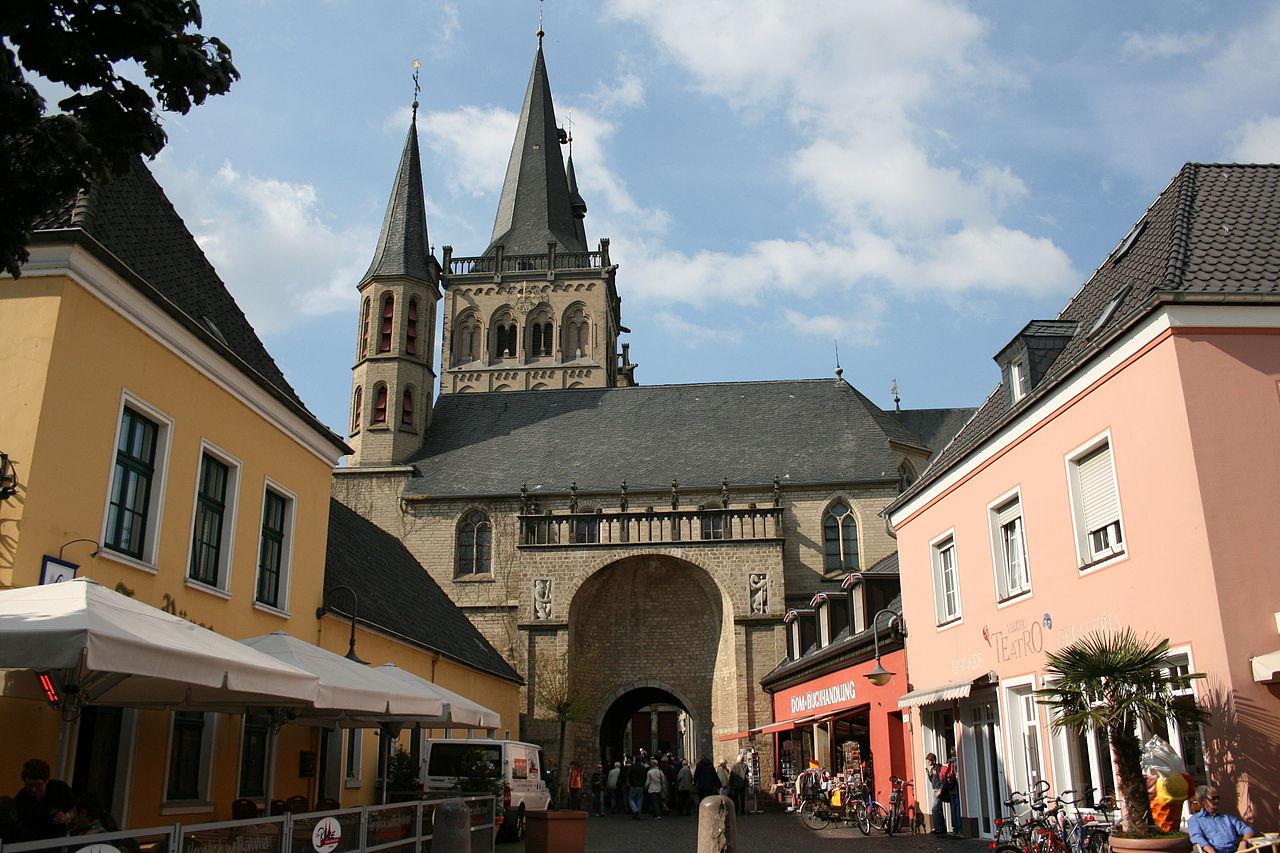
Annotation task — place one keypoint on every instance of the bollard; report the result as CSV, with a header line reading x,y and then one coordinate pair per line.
x,y
717,827
451,827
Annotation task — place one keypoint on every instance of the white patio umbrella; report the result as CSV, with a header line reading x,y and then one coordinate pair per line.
x,y
459,711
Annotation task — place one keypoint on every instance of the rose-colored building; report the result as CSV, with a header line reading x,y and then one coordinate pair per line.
x,y
1126,472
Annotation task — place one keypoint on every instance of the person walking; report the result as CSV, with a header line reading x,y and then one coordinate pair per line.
x,y
575,786
722,773
597,790
933,772
635,784
738,785
705,779
684,788
614,788
654,780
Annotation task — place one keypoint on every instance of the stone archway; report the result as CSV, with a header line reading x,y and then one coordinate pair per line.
x,y
652,627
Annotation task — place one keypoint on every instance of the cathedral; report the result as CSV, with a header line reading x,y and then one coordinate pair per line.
x,y
633,548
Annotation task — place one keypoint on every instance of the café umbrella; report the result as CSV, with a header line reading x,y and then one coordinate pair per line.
x,y
458,711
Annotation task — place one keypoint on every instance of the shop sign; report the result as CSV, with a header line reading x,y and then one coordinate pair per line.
x,y
816,700
828,693
326,835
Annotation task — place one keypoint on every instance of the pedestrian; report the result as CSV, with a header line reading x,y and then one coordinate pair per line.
x,y
575,786
738,785
44,805
654,780
705,779
597,789
722,773
635,784
1213,830
684,788
933,772
90,817
614,789
667,766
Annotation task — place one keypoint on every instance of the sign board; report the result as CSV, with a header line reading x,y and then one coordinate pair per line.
x,y
53,570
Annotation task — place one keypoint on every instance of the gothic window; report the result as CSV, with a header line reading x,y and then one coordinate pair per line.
x,y
406,408
585,529
504,334
577,333
466,338
541,341
380,404
906,474
411,329
388,318
364,329
355,410
840,538
475,544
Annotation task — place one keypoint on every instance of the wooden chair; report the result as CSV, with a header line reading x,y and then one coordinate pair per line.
x,y
243,809
277,807
327,804
297,804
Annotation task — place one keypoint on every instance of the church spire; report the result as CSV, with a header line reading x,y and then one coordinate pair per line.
x,y
535,207
402,246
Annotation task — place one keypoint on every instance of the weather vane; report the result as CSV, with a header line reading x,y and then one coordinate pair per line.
x,y
540,33
417,87
568,123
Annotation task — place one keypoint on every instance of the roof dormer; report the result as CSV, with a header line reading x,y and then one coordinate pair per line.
x,y
1026,359
832,609
802,631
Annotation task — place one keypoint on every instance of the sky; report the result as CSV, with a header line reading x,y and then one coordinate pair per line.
x,y
911,181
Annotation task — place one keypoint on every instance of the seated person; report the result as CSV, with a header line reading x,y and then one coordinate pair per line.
x,y
44,805
90,817
1213,830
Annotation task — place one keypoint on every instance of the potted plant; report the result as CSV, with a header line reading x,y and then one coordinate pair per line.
x,y
402,778
1112,681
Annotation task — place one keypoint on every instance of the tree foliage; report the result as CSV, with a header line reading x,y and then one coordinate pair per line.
x,y
91,47
561,699
1112,682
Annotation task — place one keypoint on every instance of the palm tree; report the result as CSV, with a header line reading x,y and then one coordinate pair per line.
x,y
1112,682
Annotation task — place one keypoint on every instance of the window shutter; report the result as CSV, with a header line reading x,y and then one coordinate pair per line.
x,y
1098,497
1008,512
939,585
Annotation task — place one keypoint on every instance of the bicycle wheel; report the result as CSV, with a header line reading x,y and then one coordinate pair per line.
x,y
891,821
1097,841
813,814
877,816
860,817
1009,848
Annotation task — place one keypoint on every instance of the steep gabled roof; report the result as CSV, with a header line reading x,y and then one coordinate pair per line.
x,y
803,431
397,594
1214,232
403,249
535,206
131,223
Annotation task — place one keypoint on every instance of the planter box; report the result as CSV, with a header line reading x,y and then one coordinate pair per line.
x,y
555,832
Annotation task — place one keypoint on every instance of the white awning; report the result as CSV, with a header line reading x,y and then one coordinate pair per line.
x,y
1266,668
458,711
945,693
116,650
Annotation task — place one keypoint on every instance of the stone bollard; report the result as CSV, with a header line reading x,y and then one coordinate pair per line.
x,y
451,827
717,827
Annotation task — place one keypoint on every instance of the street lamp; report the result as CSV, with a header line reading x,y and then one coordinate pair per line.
x,y
355,607
879,676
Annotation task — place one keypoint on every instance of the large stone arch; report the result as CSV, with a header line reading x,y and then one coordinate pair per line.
x,y
657,620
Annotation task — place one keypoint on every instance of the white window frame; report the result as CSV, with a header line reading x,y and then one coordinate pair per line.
x,y
1018,379
1012,697
937,548
356,756
824,625
286,555
269,760
1088,558
1062,764
997,511
1175,730
155,506
226,550
208,737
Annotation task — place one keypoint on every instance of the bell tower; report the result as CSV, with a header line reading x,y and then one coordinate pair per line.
x,y
539,309
393,380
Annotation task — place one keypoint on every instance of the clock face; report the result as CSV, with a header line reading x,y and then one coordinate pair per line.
x,y
526,298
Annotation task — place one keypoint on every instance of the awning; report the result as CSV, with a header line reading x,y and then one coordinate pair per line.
x,y
775,727
457,711
736,736
1266,668
945,693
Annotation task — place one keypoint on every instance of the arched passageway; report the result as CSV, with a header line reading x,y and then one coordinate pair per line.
x,y
648,718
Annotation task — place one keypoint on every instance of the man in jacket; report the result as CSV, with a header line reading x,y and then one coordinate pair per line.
x,y
705,778
653,784
615,787
635,781
684,788
738,785
597,790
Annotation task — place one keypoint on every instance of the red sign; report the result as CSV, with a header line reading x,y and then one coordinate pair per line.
x,y
833,692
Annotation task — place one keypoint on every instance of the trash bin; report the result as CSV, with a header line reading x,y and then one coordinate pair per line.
x,y
555,832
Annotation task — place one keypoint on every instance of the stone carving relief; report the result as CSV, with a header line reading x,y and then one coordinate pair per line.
x,y
758,591
542,599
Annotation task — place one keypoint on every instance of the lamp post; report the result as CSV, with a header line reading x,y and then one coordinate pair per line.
x,y
879,676
355,607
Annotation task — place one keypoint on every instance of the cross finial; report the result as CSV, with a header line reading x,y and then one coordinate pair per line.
x,y
540,32
893,389
839,369
417,87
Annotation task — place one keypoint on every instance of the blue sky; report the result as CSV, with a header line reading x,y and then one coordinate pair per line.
x,y
914,180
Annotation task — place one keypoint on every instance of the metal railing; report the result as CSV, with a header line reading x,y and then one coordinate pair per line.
x,y
685,527
406,827
525,263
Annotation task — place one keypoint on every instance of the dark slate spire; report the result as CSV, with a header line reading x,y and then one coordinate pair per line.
x,y
576,202
535,209
402,247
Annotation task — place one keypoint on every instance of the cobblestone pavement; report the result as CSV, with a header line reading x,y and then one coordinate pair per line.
x,y
773,832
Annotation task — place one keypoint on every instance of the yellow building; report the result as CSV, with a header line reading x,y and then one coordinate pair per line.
x,y
157,446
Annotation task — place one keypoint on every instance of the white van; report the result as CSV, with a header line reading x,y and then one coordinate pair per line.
x,y
521,763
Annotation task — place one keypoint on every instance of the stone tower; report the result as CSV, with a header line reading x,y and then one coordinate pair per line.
x,y
394,378
538,309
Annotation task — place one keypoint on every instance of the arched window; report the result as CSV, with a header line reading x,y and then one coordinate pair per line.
x,y
364,330
906,474
539,333
466,338
577,333
585,529
504,334
380,405
840,538
406,408
355,410
475,544
388,319
411,329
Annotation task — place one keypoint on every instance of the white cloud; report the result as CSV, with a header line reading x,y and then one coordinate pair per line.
x,y
694,334
476,144
450,21
1147,45
625,93
1256,141
270,241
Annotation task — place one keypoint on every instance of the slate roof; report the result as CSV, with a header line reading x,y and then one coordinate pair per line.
x,y
399,596
884,566
535,206
842,645
403,247
1212,234
803,431
133,220
934,427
